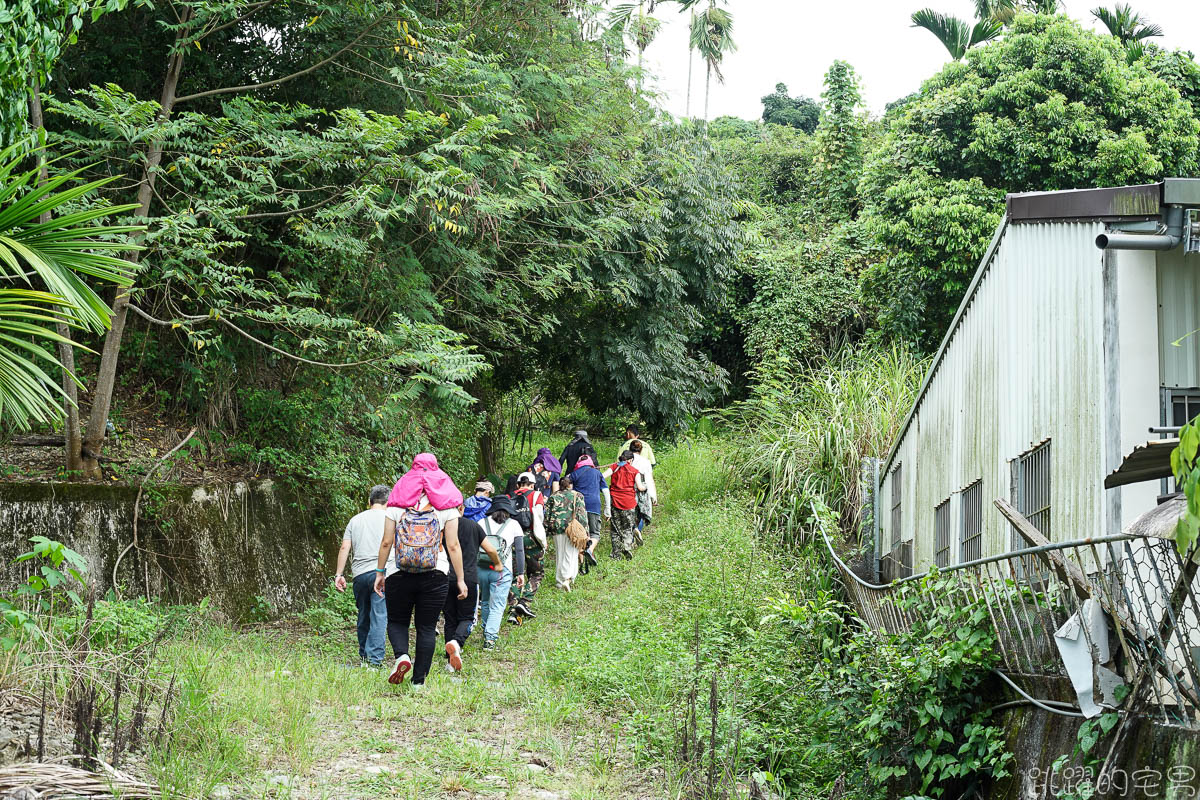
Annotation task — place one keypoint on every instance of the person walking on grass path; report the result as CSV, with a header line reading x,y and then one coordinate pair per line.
x,y
625,484
567,522
421,521
363,535
459,613
588,481
535,547
647,499
477,505
634,434
504,534
546,470
578,447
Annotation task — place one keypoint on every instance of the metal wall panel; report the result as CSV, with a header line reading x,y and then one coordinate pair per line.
x,y
1024,365
1178,316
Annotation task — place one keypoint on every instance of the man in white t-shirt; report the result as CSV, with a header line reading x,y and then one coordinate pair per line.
x,y
363,536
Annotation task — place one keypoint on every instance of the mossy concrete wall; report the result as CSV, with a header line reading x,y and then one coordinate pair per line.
x,y
252,548
1153,759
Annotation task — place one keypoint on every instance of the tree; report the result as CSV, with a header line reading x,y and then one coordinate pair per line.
x,y
1050,106
991,18
1129,27
60,254
712,36
1126,24
632,22
351,256
796,112
838,157
956,35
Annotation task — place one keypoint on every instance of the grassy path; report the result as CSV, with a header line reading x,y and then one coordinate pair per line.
x,y
551,713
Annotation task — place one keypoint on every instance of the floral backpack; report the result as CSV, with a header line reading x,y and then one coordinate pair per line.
x,y
418,540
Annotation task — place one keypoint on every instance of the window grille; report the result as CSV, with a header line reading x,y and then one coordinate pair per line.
x,y
941,521
1179,407
1184,406
898,561
971,527
1031,496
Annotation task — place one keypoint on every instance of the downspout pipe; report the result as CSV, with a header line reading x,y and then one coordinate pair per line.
x,y
1116,240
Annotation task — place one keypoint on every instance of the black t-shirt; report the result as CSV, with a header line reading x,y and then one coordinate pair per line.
x,y
470,537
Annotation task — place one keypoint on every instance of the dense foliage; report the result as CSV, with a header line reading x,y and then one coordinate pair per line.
x,y
801,112
385,215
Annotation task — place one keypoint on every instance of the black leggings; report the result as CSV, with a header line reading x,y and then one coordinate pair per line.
x,y
460,614
421,595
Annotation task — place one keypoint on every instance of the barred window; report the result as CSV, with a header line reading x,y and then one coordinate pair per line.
x,y
941,523
1031,496
1031,486
970,537
897,494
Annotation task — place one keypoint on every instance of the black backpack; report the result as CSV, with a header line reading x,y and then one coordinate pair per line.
x,y
524,514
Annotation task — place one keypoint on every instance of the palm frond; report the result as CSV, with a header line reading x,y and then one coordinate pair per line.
x,y
45,274
951,31
985,30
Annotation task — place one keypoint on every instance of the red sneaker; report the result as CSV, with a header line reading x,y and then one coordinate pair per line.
x,y
403,665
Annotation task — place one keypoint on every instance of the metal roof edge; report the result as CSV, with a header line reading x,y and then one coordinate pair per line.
x,y
984,265
1143,200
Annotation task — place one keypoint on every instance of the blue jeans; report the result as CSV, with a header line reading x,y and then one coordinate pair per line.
x,y
493,600
372,619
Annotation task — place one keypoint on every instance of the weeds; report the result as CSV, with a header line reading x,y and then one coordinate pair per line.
x,y
806,434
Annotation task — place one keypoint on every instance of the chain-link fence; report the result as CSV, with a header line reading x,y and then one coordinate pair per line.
x,y
1146,589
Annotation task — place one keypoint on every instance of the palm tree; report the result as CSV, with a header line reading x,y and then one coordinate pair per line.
x,y
690,6
1126,24
641,27
991,17
712,36
56,255
957,35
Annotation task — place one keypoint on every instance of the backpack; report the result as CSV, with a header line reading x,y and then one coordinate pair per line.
x,y
496,540
524,514
418,540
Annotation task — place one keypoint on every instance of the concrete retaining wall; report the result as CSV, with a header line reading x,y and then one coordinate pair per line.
x,y
249,547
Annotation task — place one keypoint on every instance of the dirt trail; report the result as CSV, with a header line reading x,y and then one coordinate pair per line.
x,y
497,730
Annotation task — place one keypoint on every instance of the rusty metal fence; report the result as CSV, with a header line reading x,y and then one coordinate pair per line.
x,y
1146,589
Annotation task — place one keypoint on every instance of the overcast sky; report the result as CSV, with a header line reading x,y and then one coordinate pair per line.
x,y
794,41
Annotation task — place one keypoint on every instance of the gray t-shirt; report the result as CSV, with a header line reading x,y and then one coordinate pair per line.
x,y
365,534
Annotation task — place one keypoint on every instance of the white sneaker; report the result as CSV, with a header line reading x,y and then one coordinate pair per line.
x,y
403,665
454,653
449,668
417,687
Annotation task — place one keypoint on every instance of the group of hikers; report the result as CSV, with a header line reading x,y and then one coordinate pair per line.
x,y
422,551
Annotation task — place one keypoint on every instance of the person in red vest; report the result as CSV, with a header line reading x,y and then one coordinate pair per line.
x,y
625,483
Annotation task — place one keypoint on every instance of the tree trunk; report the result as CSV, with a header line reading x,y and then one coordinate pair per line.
x,y
107,376
687,108
707,86
637,42
66,351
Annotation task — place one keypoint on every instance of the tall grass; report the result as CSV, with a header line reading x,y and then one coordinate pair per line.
x,y
806,433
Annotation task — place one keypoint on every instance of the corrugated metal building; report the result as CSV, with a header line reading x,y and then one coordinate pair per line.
x,y
1062,355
